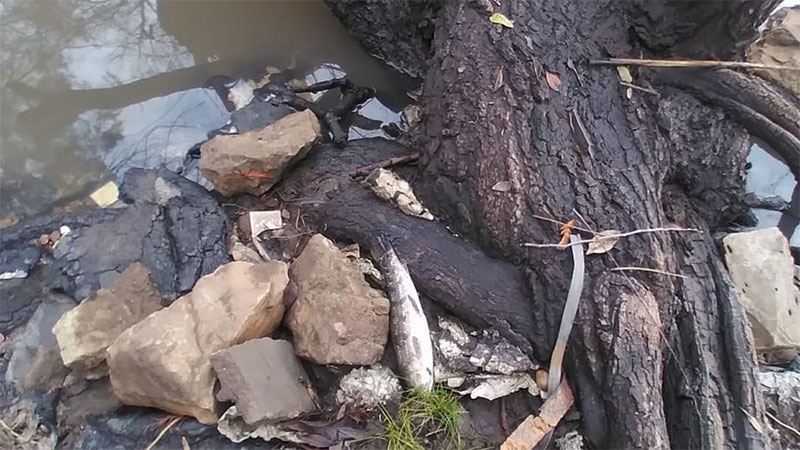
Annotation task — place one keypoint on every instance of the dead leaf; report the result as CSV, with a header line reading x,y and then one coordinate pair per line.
x,y
498,82
624,74
500,19
603,242
502,186
753,421
566,232
553,80
629,93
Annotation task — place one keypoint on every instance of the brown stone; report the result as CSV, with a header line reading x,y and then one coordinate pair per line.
x,y
85,332
265,380
163,361
337,317
254,161
780,45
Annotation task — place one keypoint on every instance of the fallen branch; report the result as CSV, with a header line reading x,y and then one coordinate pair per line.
x,y
688,63
568,316
646,269
620,235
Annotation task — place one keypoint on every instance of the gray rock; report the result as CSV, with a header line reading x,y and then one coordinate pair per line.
x,y
369,387
254,161
85,332
36,338
780,44
265,380
47,371
18,263
164,360
178,237
96,400
762,270
337,318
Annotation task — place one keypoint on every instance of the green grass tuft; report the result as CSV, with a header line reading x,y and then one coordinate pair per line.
x,y
424,412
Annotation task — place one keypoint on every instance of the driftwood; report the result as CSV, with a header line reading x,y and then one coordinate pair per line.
x,y
656,361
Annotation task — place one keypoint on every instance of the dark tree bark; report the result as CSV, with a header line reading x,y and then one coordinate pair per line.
x,y
657,361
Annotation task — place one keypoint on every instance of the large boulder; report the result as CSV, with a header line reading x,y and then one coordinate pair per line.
x,y
265,380
85,332
336,318
254,161
164,360
762,270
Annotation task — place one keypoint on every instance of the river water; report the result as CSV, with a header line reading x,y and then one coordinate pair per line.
x,y
91,88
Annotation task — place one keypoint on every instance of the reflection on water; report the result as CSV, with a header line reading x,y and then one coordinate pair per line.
x,y
770,176
92,88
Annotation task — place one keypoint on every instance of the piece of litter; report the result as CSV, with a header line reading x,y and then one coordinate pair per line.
x,y
64,230
261,221
534,428
106,196
500,19
388,186
624,74
241,93
492,387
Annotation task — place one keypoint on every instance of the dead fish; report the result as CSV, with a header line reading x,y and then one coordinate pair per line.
x,y
410,333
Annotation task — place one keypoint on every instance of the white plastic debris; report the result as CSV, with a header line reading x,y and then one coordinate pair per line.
x,y
261,221
492,387
106,196
388,186
241,93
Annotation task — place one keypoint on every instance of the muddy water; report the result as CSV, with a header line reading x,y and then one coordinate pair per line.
x,y
92,88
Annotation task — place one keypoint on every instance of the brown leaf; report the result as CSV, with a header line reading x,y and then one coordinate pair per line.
x,y
603,242
553,80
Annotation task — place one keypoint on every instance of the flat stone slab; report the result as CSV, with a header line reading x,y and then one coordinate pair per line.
x,y
265,380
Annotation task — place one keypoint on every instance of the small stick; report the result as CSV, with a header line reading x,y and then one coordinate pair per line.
x,y
785,425
549,219
645,269
638,88
621,235
687,63
163,432
386,163
12,432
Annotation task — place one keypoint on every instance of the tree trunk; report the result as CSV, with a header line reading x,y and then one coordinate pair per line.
x,y
657,361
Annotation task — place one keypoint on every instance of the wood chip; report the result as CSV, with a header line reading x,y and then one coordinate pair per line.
x,y
534,428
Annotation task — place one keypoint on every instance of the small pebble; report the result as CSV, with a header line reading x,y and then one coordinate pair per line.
x,y
55,236
44,239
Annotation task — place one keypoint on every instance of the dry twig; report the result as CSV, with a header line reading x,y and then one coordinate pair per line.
x,y
10,431
688,63
621,235
647,269
783,424
163,432
638,88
